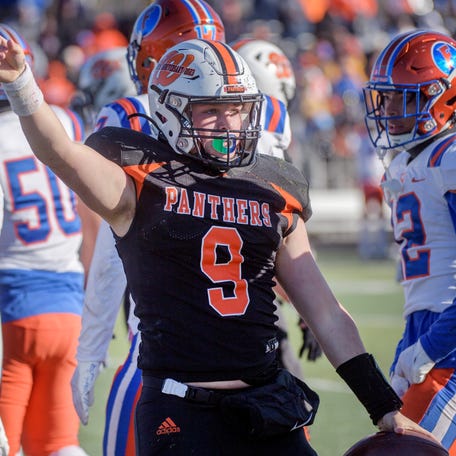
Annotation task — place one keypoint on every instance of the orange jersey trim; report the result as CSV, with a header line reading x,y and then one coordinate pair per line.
x,y
139,174
291,204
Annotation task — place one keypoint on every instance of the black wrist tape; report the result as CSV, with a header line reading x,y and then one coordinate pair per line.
x,y
366,380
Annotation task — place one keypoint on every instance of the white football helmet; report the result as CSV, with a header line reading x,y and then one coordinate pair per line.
x,y
103,78
270,66
205,72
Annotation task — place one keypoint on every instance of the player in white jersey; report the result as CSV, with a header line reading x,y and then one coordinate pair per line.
x,y
276,80
41,291
410,106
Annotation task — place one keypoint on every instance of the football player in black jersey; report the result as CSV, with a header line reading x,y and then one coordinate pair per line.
x,y
203,225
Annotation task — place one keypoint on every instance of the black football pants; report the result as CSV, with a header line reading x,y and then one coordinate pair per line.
x,y
170,425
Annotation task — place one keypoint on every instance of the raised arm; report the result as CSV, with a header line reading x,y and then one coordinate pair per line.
x,y
101,184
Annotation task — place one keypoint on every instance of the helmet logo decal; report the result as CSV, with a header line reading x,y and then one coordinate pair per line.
x,y
444,56
234,88
151,21
282,64
172,66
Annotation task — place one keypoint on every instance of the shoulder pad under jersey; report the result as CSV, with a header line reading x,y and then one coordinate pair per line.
x,y
285,178
444,149
128,147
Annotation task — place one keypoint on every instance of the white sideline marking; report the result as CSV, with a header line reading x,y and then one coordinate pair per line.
x,y
331,386
365,286
379,321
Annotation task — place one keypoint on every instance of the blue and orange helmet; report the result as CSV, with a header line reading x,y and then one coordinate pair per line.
x,y
164,24
420,65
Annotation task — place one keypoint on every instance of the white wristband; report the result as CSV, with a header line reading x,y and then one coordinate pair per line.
x,y
24,95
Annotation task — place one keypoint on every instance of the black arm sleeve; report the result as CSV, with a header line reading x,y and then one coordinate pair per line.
x,y
366,380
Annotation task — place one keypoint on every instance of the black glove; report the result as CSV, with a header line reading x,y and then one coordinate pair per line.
x,y
309,342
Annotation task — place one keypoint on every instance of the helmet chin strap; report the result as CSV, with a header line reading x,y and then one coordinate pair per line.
x,y
397,140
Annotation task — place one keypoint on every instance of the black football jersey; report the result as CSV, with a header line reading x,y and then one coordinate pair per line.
x,y
199,256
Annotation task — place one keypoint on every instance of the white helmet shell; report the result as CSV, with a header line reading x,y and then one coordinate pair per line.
x,y
105,77
270,66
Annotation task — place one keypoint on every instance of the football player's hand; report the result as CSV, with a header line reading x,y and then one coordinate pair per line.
x,y
309,343
413,364
12,60
4,447
396,422
82,387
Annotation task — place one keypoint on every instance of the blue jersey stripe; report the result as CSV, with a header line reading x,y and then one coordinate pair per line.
x,y
436,412
123,391
451,200
271,115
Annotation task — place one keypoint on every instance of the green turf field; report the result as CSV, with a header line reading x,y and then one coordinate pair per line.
x,y
369,291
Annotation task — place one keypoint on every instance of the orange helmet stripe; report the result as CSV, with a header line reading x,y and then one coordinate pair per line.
x,y
228,61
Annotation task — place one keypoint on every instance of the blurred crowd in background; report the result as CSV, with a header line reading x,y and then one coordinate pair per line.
x,y
331,44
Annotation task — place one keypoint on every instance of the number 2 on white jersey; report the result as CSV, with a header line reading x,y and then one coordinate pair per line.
x,y
415,263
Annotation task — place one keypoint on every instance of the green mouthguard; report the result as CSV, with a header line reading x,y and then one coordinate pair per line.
x,y
219,146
